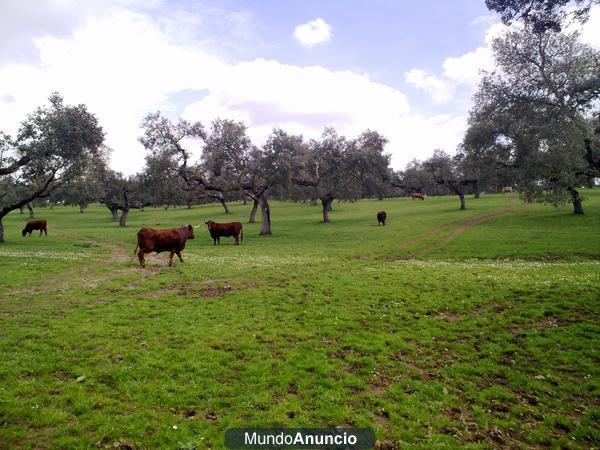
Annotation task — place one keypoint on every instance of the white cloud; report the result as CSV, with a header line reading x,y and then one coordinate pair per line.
x,y
440,90
590,32
484,21
313,32
460,75
466,69
123,65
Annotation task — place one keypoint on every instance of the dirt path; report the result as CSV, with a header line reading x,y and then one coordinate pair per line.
x,y
91,272
463,226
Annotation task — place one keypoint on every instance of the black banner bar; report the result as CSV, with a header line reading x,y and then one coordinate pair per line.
x,y
299,438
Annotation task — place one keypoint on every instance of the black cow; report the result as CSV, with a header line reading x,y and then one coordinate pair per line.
x,y
41,225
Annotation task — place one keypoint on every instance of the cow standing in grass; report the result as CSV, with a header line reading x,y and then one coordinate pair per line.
x,y
381,216
417,195
225,229
41,225
172,240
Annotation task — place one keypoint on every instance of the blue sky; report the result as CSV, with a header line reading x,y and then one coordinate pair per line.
x,y
406,69
377,35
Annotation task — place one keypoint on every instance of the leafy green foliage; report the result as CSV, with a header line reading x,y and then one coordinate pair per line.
x,y
530,114
53,146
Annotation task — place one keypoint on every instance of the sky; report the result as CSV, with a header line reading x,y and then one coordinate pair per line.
x,y
405,69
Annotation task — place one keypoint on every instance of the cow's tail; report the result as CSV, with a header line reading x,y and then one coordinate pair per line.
x,y
134,252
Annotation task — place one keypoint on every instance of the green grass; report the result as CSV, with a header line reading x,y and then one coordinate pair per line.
x,y
439,329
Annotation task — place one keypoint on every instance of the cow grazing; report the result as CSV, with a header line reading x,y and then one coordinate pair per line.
x,y
506,189
225,229
417,195
41,225
381,216
172,240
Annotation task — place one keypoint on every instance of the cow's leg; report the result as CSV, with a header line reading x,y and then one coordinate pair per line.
x,y
214,241
171,258
141,258
179,255
45,232
237,239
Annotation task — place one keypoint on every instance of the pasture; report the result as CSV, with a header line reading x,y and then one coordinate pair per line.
x,y
450,328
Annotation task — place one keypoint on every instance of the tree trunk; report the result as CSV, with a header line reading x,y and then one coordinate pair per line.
x,y
189,203
593,164
577,207
21,209
253,212
462,201
115,214
30,211
265,212
225,207
123,220
326,202
81,208
1,231
476,193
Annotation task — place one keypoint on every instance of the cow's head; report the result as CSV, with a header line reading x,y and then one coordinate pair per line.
x,y
190,232
210,224
24,232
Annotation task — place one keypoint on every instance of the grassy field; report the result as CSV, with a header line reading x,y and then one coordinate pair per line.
x,y
445,328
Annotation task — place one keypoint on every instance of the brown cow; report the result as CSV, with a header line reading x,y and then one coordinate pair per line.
x,y
41,225
418,195
172,240
381,216
225,229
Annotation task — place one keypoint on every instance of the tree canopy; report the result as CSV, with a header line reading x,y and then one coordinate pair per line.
x,y
531,114
542,15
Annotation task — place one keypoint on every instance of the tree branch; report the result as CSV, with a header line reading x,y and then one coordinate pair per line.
x,y
43,191
301,182
15,165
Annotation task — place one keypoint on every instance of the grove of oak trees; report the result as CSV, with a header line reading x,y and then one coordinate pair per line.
x,y
534,125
